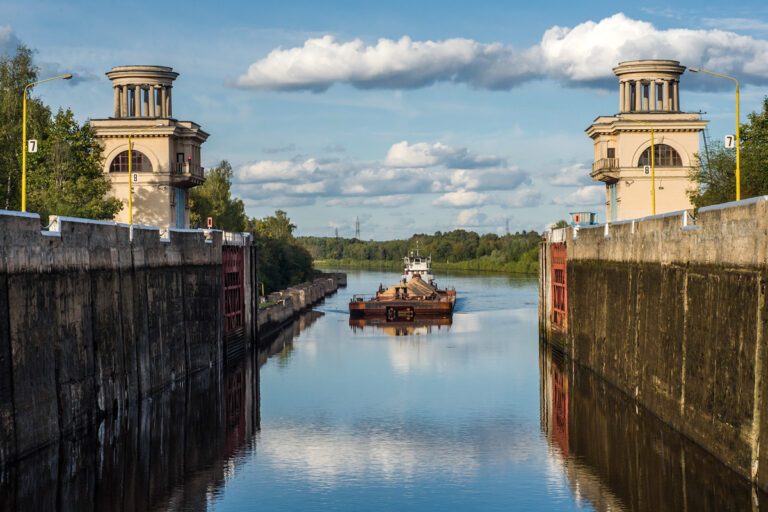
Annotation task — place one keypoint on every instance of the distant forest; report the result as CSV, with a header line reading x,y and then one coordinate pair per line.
x,y
458,249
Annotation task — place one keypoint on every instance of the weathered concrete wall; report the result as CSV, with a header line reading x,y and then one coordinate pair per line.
x,y
622,457
91,322
673,313
293,300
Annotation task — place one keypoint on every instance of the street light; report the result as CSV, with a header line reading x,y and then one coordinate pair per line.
x,y
738,172
24,138
653,169
130,174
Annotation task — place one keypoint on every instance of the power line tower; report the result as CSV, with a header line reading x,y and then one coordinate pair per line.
x,y
357,228
506,224
337,233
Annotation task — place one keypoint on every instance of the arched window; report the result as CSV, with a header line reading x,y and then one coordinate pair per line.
x,y
140,162
664,156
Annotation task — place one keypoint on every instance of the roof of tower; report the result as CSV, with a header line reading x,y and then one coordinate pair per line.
x,y
649,66
156,72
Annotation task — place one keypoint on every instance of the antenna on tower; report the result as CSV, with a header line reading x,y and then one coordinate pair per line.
x,y
506,224
357,228
337,233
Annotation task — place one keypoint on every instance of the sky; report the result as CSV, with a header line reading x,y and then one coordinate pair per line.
x,y
412,117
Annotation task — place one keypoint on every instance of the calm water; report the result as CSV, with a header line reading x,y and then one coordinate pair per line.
x,y
475,415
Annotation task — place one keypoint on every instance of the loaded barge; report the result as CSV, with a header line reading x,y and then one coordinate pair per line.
x,y
416,296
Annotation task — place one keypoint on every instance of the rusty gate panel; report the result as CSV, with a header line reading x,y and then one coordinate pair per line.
x,y
232,265
559,285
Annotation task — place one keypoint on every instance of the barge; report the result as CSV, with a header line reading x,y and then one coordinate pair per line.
x,y
416,296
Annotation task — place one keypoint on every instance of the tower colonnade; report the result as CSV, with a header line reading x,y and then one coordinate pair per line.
x,y
142,91
650,95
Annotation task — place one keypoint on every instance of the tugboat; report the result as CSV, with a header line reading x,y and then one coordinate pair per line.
x,y
416,296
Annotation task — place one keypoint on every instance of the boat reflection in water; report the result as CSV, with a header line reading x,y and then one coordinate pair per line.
x,y
618,456
413,327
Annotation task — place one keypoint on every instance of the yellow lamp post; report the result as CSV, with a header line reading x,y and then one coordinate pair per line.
x,y
130,173
653,167
24,138
738,170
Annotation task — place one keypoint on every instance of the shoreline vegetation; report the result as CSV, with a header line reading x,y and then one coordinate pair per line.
x,y
455,250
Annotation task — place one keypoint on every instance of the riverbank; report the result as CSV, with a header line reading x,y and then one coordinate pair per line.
x,y
523,268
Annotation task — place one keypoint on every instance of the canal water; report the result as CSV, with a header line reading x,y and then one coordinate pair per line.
x,y
474,414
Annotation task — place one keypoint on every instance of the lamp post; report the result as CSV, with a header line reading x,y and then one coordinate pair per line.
x,y
130,173
738,171
24,138
653,169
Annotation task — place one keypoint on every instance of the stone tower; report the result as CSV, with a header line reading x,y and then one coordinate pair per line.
x,y
648,93
166,152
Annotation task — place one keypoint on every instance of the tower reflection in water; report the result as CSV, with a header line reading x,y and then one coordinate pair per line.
x,y
416,326
618,456
174,451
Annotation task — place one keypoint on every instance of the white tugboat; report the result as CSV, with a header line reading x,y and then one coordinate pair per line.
x,y
418,265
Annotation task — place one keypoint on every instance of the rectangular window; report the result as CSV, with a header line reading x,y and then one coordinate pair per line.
x,y
180,158
611,152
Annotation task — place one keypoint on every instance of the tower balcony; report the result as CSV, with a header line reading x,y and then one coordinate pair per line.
x,y
605,169
187,173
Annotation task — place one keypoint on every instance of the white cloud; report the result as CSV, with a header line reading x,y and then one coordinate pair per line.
x,y
585,196
470,218
571,175
583,54
422,154
460,198
389,201
522,198
408,170
8,40
489,179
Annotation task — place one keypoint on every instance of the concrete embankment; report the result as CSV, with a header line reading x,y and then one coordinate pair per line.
x,y
289,302
91,322
672,311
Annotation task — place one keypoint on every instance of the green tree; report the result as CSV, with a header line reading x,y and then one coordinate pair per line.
x,y
15,73
66,177
716,175
214,199
277,226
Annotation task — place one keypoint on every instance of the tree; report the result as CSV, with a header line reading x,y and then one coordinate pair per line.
x,y
277,226
214,199
15,73
716,176
65,177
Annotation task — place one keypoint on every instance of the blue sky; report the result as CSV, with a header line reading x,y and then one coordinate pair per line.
x,y
412,116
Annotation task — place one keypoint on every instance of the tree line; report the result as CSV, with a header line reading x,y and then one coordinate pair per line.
x,y
64,177
282,261
715,170
458,249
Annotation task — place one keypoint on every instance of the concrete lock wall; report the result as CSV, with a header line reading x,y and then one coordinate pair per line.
x,y
291,301
90,323
672,311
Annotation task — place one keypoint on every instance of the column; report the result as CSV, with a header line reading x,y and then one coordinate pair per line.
x,y
638,96
163,111
665,95
151,98
621,95
116,105
169,107
652,95
124,101
676,95
145,103
137,100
